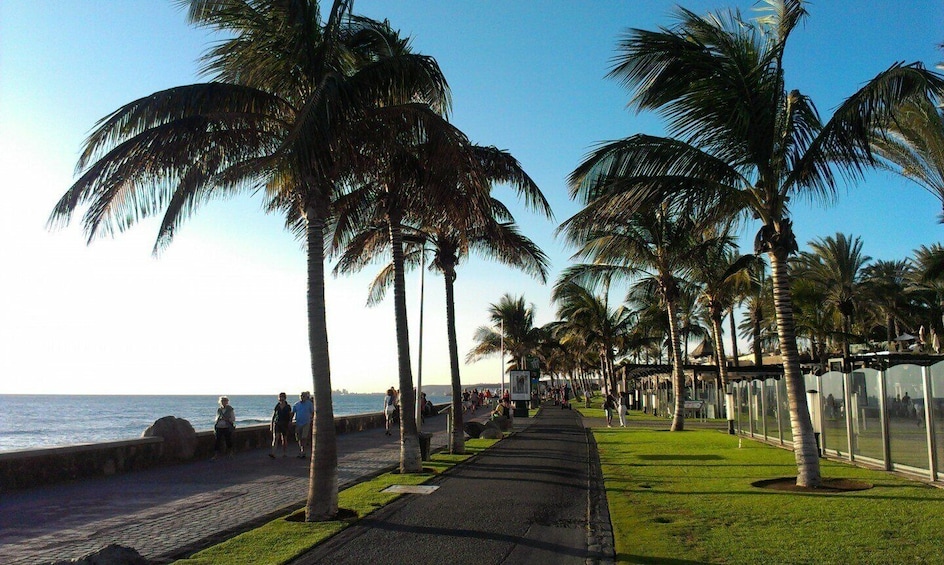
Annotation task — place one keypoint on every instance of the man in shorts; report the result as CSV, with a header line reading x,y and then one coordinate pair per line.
x,y
304,411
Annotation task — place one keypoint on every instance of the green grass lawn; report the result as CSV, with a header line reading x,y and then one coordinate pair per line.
x,y
686,497
283,540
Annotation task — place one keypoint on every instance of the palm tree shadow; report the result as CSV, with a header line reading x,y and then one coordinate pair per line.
x,y
650,560
671,457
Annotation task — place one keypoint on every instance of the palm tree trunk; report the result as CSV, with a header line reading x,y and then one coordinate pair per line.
x,y
722,378
847,334
457,441
611,369
410,457
678,376
889,328
719,349
734,340
804,442
322,503
755,346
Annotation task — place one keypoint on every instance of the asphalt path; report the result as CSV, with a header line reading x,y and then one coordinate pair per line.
x,y
523,501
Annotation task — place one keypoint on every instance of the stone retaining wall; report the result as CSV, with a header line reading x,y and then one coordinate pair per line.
x,y
34,467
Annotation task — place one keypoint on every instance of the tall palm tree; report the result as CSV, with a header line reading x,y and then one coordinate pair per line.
x,y
452,237
499,241
422,175
286,88
741,143
836,264
653,247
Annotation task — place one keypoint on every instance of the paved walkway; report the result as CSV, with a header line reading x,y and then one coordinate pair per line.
x,y
164,512
523,501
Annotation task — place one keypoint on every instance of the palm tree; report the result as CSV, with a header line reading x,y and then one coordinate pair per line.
x,y
425,172
816,319
836,265
721,274
884,284
926,286
590,321
452,237
741,143
499,241
287,87
512,330
654,247
758,300
913,146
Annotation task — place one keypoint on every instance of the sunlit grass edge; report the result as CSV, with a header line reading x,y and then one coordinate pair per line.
x,y
282,540
689,497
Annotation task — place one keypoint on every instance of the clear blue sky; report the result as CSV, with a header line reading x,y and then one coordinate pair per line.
x,y
223,309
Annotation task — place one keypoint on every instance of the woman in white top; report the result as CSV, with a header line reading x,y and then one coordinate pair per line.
x,y
390,404
223,428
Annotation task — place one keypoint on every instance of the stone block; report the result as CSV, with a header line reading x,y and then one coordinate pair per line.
x,y
180,439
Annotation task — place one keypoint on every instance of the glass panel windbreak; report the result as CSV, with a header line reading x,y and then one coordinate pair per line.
x,y
937,406
770,409
834,438
743,406
905,398
867,414
757,406
784,408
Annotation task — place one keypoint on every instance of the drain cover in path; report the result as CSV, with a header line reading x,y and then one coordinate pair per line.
x,y
411,489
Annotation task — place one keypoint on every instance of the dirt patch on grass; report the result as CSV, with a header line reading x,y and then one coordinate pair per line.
x,y
788,484
344,515
424,471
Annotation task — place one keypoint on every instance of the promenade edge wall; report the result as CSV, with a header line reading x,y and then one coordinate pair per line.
x,y
35,467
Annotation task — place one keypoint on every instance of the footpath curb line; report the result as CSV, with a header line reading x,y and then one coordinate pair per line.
x,y
600,542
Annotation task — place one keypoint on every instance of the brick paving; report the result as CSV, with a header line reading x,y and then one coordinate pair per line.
x,y
162,512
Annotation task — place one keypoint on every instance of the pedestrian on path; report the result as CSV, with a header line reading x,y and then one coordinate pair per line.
x,y
281,422
223,428
390,404
623,407
609,406
304,411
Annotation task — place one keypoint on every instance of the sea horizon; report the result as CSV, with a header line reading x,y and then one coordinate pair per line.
x,y
34,421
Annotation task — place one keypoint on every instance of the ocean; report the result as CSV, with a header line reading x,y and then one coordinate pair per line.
x,y
29,421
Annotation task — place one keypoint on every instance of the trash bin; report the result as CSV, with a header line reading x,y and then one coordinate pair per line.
x,y
425,441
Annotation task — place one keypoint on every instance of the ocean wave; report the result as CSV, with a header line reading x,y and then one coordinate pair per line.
x,y
252,421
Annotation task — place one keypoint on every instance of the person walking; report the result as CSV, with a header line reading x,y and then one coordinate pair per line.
x,y
223,428
623,407
390,405
609,406
281,422
304,411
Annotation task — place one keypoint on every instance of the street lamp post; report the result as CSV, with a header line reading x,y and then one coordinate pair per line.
x,y
502,357
419,361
